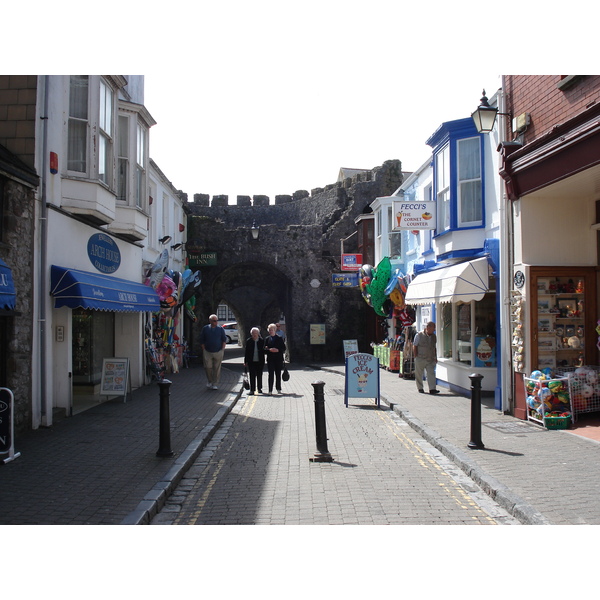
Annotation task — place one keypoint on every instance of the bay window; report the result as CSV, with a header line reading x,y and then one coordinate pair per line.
x,y
442,164
469,182
105,152
78,123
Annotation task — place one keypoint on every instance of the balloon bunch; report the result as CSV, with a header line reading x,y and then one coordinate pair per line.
x,y
396,288
173,288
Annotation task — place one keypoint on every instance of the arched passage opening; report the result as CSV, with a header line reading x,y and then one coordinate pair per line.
x,y
257,293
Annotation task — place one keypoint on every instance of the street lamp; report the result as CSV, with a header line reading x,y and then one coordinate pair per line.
x,y
485,116
254,230
165,239
178,246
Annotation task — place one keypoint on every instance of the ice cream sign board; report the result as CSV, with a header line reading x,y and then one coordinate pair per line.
x,y
362,377
414,215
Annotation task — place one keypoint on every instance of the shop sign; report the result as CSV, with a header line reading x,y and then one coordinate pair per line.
x,y
350,347
362,377
104,253
345,280
414,215
203,259
351,262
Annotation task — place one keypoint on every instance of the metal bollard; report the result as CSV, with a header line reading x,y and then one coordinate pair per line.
x,y
475,411
164,443
322,454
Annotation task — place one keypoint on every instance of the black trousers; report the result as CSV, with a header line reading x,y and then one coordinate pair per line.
x,y
275,367
255,373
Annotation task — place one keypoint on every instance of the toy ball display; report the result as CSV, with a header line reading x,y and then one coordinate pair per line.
x,y
587,391
545,394
555,386
537,375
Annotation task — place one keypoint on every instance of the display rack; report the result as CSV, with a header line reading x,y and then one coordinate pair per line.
x,y
584,388
546,396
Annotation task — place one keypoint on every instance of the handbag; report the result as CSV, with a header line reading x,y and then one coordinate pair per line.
x,y
246,382
285,375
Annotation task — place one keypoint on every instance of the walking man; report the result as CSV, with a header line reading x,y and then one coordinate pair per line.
x,y
213,341
425,350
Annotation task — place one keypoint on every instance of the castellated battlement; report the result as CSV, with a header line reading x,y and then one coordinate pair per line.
x,y
222,200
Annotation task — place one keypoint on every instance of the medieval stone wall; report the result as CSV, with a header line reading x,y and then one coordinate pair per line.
x,y
298,245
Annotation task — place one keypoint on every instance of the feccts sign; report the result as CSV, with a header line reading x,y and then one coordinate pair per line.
x,y
104,253
414,215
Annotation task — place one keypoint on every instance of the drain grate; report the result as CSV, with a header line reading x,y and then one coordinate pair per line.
x,y
514,427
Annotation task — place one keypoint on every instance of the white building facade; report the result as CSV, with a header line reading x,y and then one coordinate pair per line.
x,y
96,230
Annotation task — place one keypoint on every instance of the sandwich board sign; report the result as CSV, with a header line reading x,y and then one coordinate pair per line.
x,y
7,427
115,377
362,377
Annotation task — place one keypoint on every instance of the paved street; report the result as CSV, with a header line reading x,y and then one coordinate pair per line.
x,y
257,469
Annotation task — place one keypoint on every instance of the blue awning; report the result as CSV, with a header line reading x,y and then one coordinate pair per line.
x,y
79,289
8,296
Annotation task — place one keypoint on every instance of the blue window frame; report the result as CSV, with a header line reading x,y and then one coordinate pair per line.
x,y
458,176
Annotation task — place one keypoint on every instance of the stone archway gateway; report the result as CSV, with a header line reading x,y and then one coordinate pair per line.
x,y
288,269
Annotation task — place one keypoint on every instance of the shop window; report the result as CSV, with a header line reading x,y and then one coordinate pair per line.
x,y
93,340
467,332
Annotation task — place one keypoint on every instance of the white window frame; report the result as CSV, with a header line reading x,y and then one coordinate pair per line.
x,y
78,141
106,128
461,223
442,162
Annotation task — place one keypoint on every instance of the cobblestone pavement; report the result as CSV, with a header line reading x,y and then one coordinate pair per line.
x,y
258,470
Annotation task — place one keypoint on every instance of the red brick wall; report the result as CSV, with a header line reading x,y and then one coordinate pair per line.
x,y
539,96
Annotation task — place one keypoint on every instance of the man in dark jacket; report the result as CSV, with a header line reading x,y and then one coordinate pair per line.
x,y
254,359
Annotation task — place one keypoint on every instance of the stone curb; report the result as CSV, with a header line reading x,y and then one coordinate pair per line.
x,y
155,499
500,493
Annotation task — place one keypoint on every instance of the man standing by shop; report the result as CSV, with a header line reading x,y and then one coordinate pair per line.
x,y
213,341
425,350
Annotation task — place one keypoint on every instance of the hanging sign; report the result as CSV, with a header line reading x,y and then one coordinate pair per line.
x,y
414,215
7,411
351,262
115,377
345,280
203,259
362,377
104,253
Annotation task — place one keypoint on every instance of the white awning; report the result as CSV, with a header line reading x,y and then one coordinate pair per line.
x,y
459,283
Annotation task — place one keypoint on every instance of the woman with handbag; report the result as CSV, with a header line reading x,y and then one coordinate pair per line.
x,y
254,359
275,350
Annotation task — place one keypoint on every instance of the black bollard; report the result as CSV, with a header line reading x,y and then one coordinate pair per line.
x,y
164,443
476,411
322,454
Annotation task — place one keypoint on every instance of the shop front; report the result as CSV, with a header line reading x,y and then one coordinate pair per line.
x,y
96,316
461,299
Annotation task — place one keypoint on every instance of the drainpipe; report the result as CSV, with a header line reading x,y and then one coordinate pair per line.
x,y
506,260
42,298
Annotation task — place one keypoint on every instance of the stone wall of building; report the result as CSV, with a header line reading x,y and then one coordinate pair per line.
x,y
298,245
16,251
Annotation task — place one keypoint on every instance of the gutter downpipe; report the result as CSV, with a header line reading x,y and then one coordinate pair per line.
x,y
46,421
506,257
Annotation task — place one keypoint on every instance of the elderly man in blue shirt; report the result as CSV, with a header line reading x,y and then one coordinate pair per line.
x,y
213,341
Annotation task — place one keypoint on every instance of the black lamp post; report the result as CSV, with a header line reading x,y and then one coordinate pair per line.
x,y
254,230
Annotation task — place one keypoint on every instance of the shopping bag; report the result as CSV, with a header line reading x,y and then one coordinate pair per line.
x,y
246,382
285,375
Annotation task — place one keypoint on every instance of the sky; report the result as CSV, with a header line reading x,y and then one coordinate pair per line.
x,y
268,97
